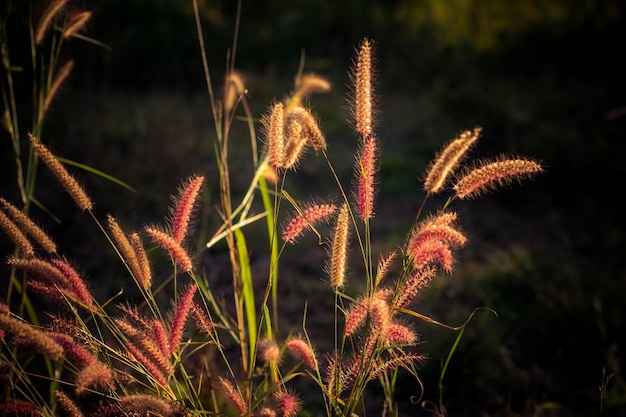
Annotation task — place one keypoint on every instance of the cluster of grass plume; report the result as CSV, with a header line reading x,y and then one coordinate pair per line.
x,y
89,357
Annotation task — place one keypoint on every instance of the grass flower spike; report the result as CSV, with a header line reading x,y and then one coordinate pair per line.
x,y
486,176
68,182
311,215
448,159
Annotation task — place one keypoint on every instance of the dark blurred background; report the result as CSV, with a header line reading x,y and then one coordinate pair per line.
x,y
544,78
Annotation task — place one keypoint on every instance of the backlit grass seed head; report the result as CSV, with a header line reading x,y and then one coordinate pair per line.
x,y
288,404
309,127
137,355
365,171
171,246
339,249
75,22
185,304
147,405
67,181
161,337
93,377
17,237
413,285
48,15
433,251
128,251
399,334
20,409
308,84
311,215
184,206
384,264
362,80
35,338
29,227
355,317
486,176
234,88
42,270
303,350
74,352
143,264
67,405
77,283
233,396
59,78
448,159
274,127
202,320
380,314
269,350
295,141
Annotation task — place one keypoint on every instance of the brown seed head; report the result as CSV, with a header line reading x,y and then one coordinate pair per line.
x,y
448,159
67,181
29,227
362,79
486,176
339,249
53,9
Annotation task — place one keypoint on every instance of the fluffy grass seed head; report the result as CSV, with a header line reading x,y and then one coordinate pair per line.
x,y
35,338
185,304
288,404
233,395
303,350
365,172
448,159
269,350
67,405
363,80
306,85
274,128
29,227
339,249
171,246
129,252
488,175
234,88
312,214
95,376
75,22
15,234
50,12
182,211
67,181
59,79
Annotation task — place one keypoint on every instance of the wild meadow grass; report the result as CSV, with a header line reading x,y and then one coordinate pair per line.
x,y
180,346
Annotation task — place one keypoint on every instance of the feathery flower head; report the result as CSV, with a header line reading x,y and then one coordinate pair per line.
x,y
339,249
29,227
365,172
269,350
184,206
362,75
167,242
303,350
67,181
312,214
233,395
448,159
75,21
486,176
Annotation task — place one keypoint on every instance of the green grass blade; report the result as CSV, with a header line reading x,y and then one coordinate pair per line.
x,y
247,292
97,172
